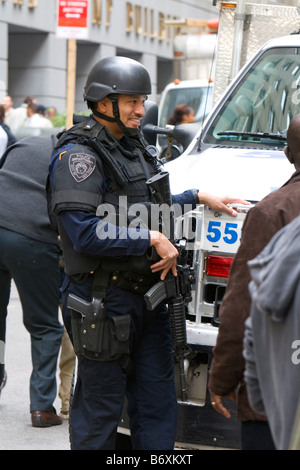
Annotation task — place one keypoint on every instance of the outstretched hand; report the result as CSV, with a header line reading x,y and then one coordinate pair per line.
x,y
167,251
219,203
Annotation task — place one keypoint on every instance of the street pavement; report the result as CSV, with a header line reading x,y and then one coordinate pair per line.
x,y
16,431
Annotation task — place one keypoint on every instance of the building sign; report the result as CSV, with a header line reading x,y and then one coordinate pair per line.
x,y
72,19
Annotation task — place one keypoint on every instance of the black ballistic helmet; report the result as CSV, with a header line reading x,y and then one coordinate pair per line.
x,y
116,75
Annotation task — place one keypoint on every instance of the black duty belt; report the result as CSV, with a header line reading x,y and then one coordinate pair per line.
x,y
133,282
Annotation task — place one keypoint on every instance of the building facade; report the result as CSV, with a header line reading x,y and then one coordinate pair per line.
x,y
34,60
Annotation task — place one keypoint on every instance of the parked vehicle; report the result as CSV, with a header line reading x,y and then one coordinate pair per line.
x,y
196,94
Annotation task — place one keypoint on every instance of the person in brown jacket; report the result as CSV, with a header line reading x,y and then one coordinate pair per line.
x,y
268,216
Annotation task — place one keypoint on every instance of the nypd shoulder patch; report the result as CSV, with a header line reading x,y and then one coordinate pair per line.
x,y
81,166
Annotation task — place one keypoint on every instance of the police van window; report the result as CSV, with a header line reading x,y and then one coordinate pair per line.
x,y
264,102
198,98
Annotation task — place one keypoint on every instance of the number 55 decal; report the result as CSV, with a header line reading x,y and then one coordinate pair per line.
x,y
229,233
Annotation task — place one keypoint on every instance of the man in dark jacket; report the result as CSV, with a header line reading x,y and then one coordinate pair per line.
x,y
29,254
262,222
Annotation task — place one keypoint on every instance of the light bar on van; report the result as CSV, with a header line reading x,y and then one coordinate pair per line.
x,y
228,5
218,266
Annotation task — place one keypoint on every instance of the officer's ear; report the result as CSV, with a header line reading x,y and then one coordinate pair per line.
x,y
104,106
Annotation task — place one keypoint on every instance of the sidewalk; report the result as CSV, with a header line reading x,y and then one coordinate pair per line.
x,y
16,431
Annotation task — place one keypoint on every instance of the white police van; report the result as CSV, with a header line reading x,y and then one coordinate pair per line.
x,y
239,151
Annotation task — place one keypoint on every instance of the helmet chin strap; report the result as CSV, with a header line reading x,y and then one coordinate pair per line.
x,y
130,132
103,116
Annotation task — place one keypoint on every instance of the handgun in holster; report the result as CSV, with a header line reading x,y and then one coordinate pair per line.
x,y
95,336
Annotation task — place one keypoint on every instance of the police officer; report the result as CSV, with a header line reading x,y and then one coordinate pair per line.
x,y
123,349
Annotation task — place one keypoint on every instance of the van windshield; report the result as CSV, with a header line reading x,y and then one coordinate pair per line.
x,y
262,106
197,98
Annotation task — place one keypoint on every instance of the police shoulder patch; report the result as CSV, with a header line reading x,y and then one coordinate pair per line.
x,y
81,166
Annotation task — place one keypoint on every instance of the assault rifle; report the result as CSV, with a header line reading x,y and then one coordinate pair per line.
x,y
176,290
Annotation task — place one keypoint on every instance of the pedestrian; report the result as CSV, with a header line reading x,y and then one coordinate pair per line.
x,y
67,359
268,216
51,112
18,117
66,366
11,139
271,343
29,254
97,164
3,141
8,108
36,118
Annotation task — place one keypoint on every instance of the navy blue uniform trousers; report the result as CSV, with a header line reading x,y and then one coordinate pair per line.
x,y
34,266
149,388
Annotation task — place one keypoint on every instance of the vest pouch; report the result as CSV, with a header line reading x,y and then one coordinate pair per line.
x,y
133,170
119,336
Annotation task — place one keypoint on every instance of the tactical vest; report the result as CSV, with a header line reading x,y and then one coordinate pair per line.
x,y
126,173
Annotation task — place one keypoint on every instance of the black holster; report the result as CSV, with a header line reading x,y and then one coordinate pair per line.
x,y
96,337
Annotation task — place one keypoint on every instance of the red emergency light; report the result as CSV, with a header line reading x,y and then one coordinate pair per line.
x,y
218,266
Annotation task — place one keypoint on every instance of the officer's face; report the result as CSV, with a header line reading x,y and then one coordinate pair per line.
x,y
131,109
